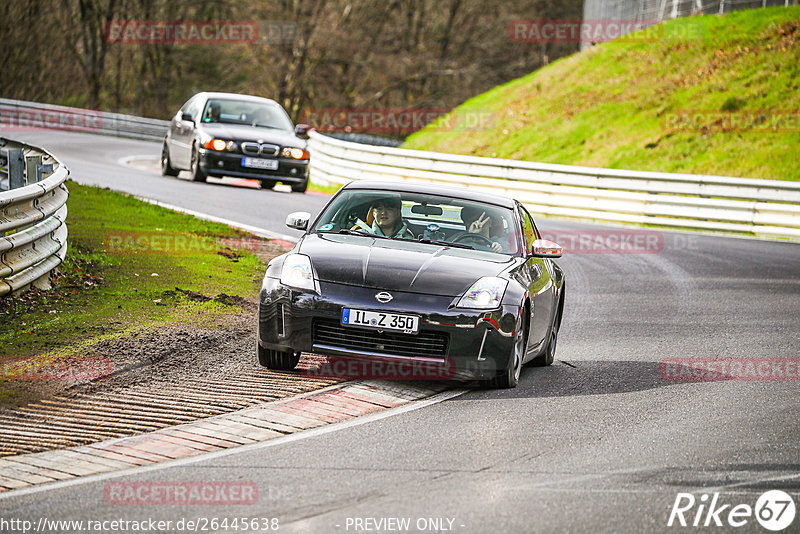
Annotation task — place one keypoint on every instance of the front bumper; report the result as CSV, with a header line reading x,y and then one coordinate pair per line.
x,y
216,163
477,344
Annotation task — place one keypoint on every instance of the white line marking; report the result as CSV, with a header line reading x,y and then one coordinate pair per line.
x,y
261,232
296,436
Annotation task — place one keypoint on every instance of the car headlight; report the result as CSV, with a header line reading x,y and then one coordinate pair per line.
x,y
220,144
486,293
297,272
294,153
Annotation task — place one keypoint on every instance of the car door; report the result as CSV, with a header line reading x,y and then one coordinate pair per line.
x,y
182,133
540,287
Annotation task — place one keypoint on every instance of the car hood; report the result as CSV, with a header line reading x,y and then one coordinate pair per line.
x,y
252,133
396,265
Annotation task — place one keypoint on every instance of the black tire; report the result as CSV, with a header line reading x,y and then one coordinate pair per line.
x,y
510,378
277,360
166,165
549,355
268,184
301,187
198,174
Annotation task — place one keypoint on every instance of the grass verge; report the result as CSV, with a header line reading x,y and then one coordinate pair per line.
x,y
624,104
130,265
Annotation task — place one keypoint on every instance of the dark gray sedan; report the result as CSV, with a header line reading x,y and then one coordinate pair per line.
x,y
223,134
415,281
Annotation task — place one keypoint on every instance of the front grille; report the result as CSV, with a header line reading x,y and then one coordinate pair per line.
x,y
423,344
255,149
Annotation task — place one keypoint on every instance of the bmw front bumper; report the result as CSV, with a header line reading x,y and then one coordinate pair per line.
x,y
216,163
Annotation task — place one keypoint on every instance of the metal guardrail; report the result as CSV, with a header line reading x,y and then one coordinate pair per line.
x,y
649,12
18,115
33,229
767,208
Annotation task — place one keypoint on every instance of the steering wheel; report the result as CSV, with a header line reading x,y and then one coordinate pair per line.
x,y
466,236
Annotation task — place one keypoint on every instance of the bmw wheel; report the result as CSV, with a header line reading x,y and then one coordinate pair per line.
x,y
198,174
166,165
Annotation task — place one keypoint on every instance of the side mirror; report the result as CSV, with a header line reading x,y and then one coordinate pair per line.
x,y
298,220
543,248
187,117
301,130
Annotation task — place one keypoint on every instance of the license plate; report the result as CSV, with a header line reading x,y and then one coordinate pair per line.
x,y
259,163
408,324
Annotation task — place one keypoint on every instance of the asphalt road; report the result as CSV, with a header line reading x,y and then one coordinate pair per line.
x,y
601,441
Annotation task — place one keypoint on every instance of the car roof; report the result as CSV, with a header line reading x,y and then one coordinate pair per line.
x,y
236,96
443,190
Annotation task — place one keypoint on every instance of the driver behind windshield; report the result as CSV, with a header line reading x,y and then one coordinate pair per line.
x,y
388,222
485,223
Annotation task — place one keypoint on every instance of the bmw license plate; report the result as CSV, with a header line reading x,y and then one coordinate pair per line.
x,y
408,324
259,163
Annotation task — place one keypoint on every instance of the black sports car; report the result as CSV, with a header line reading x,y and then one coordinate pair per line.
x,y
416,275
223,134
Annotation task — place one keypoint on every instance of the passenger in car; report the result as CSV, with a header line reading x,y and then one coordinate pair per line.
x,y
388,220
485,223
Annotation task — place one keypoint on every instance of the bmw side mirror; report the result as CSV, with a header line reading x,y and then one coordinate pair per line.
x,y
187,117
298,220
301,130
543,248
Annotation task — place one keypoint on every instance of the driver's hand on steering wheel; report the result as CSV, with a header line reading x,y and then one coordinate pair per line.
x,y
497,247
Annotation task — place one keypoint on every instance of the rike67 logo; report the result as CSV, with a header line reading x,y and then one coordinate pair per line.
x,y
774,510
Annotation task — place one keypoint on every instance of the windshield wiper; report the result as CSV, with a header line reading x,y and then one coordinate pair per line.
x,y
361,232
259,125
447,244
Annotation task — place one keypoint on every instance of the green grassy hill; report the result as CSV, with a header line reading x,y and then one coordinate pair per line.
x,y
623,104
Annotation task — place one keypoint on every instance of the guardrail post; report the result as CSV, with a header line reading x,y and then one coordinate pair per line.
x,y
16,168
31,163
43,171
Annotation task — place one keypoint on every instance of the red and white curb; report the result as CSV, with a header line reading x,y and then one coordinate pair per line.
x,y
244,427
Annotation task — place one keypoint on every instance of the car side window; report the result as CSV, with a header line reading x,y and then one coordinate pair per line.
x,y
529,232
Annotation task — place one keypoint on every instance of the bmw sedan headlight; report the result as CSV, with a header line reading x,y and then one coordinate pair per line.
x,y
221,144
297,272
294,153
486,293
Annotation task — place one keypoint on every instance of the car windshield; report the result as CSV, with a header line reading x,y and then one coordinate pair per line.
x,y
434,219
246,112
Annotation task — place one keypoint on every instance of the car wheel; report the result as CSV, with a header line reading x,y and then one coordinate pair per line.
x,y
510,378
549,355
268,184
198,174
277,360
166,165
301,187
